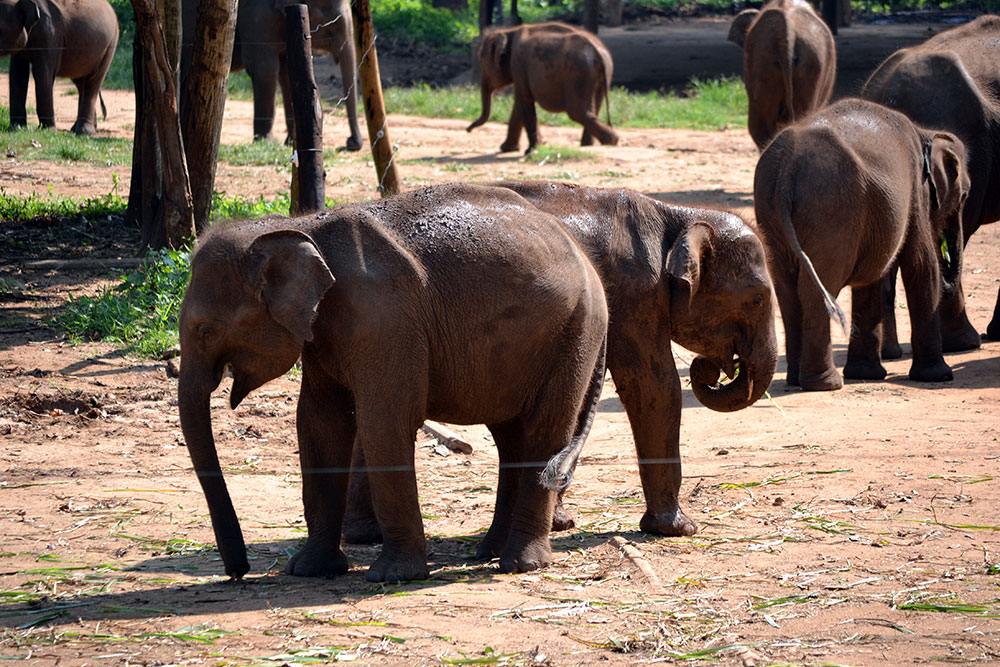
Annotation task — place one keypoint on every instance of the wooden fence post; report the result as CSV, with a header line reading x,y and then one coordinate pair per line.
x,y
309,176
371,94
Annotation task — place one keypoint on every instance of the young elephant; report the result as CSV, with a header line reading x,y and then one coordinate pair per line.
x,y
950,82
842,197
696,276
561,67
789,64
460,303
73,39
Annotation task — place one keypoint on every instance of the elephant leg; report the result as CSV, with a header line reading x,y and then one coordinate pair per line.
x,y
592,126
921,280
263,72
561,519
863,362
360,523
86,110
285,83
816,369
649,388
514,127
957,332
348,74
524,105
20,70
890,339
785,289
993,329
509,439
45,77
326,431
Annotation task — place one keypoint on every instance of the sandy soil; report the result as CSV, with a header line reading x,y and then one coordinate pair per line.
x,y
858,527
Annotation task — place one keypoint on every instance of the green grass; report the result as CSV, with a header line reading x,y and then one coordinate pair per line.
x,y
33,143
28,207
706,105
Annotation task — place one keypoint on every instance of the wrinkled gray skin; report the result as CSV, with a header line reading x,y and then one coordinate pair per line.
x,y
696,276
789,64
260,50
842,197
458,303
560,67
72,39
951,82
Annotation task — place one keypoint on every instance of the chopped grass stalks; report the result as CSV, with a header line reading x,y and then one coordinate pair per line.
x,y
780,480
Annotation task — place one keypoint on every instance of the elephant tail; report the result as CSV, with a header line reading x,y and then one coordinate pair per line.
x,y
558,472
788,70
836,314
104,109
607,91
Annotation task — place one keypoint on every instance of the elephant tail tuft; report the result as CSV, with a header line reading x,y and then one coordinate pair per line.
x,y
104,109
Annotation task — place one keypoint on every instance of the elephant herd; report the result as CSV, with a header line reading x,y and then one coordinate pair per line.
x,y
505,304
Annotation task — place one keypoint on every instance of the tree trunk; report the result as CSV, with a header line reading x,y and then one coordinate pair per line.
x,y
371,94
591,14
308,175
160,195
205,98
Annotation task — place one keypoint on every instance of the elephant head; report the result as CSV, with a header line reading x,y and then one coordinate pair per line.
x,y
948,184
249,307
721,307
16,21
494,60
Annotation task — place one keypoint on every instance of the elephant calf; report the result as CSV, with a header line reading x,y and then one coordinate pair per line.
x,y
561,67
458,303
842,197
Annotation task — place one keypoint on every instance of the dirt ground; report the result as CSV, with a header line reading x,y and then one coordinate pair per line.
x,y
857,527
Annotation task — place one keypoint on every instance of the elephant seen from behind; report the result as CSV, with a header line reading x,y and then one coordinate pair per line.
x,y
951,82
259,48
695,276
560,67
459,303
789,64
842,198
45,39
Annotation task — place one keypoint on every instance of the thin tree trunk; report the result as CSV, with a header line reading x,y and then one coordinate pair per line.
x,y
309,176
205,99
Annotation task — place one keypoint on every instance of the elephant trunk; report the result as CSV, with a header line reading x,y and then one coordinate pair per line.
x,y
753,377
196,422
487,96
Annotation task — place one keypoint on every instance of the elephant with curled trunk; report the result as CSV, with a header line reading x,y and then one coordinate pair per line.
x,y
843,197
260,50
951,82
695,276
789,64
560,67
45,39
458,303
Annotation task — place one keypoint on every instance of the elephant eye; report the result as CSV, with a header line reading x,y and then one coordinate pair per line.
x,y
758,300
204,331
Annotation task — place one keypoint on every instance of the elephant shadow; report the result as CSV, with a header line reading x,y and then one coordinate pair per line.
x,y
715,198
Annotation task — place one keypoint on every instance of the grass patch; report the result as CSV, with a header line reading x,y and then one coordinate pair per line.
x,y
33,206
705,105
34,143
548,154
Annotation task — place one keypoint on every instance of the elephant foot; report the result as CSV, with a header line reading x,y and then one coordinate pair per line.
x,y
587,140
828,380
362,530
561,520
83,128
931,371
492,544
891,350
864,370
965,338
392,567
318,558
510,146
792,378
534,555
353,144
612,140
993,330
671,523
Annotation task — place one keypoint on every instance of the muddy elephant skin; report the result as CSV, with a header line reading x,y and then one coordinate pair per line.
x,y
458,303
560,67
695,276
950,82
842,198
789,64
72,39
260,50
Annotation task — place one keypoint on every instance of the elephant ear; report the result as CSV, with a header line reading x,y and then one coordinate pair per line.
x,y
290,277
499,46
685,266
945,164
30,14
741,26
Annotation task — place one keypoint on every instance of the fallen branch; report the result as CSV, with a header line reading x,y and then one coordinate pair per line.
x,y
632,554
447,437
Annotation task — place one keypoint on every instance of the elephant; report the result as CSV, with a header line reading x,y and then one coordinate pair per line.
x,y
462,303
697,276
260,49
950,82
842,197
73,39
560,67
789,64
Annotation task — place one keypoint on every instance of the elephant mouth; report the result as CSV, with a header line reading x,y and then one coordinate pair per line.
x,y
735,393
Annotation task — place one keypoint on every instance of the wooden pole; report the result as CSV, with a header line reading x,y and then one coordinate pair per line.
x,y
310,175
371,94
